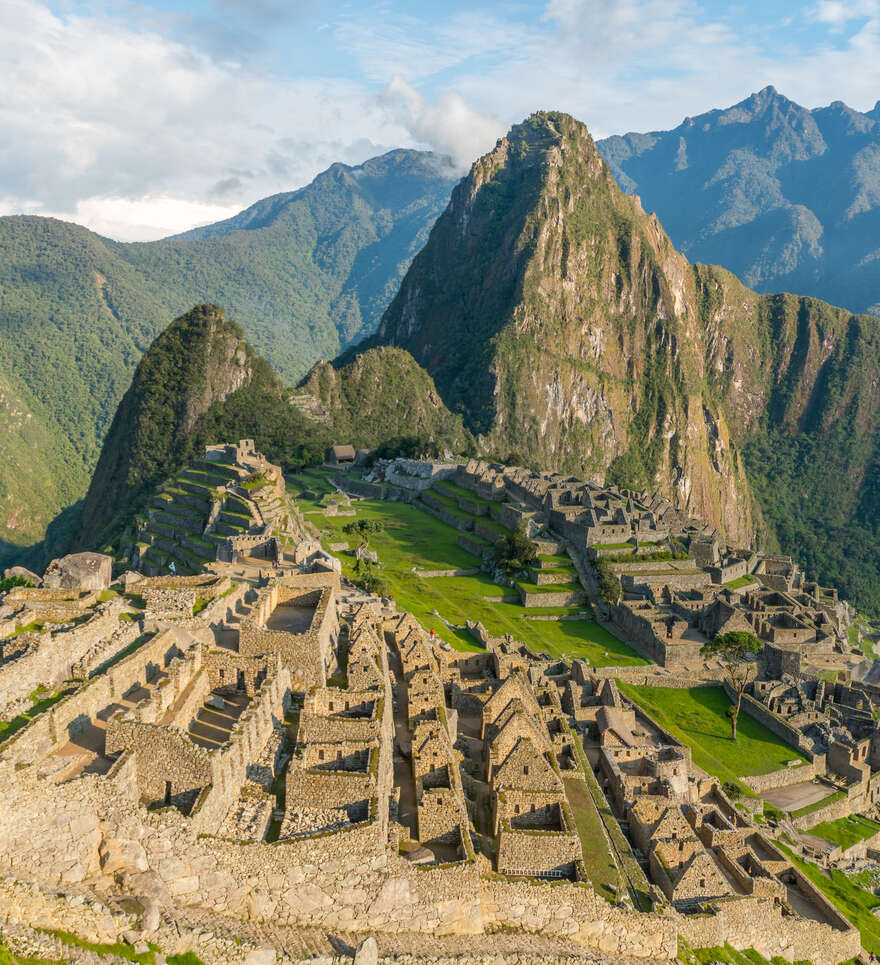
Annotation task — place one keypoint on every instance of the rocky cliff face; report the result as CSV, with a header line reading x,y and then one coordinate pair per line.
x,y
559,320
556,316
200,359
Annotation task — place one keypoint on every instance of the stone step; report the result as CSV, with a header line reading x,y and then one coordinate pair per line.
x,y
195,488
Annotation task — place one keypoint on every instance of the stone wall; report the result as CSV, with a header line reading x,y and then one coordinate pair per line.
x,y
530,852
773,722
307,655
53,660
573,911
782,778
565,598
760,924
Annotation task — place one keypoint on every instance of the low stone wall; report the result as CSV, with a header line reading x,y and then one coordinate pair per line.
x,y
566,598
781,778
543,578
473,571
436,508
760,924
472,545
841,808
573,911
53,660
773,722
527,851
485,531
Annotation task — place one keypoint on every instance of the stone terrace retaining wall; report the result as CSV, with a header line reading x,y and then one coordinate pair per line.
x,y
841,808
781,778
572,910
759,924
53,660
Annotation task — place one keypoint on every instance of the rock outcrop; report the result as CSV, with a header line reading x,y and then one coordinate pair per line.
x,y
79,571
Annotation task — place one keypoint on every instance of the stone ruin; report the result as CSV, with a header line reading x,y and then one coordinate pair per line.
x,y
297,758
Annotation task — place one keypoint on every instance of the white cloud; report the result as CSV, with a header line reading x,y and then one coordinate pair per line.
x,y
448,124
117,125
838,14
93,110
127,219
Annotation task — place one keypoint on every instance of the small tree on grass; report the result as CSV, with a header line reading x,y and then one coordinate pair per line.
x,y
735,649
363,528
515,551
368,579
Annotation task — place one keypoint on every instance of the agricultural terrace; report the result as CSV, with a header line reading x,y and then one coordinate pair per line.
x,y
413,540
846,831
698,718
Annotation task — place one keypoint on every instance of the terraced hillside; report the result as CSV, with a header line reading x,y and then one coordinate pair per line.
x,y
446,532
192,516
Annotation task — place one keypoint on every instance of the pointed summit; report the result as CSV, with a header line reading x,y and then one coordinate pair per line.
x,y
201,358
556,316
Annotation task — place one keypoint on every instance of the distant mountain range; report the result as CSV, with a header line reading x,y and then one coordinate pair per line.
x,y
786,198
305,273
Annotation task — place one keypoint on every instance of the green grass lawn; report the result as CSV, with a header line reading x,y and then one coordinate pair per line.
x,y
739,582
601,867
459,492
853,902
846,831
697,717
413,539
865,645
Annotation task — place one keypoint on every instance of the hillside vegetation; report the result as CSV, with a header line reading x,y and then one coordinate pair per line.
x,y
304,273
201,382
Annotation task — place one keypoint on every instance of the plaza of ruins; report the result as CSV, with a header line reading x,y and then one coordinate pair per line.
x,y
251,758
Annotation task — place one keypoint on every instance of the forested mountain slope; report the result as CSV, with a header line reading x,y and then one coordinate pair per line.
x,y
785,197
200,382
305,273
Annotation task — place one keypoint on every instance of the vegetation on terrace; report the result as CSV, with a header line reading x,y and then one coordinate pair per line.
x,y
698,717
413,539
41,700
846,831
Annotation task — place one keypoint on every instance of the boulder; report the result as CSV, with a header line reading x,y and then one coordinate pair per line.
x,y
122,854
22,571
80,571
367,952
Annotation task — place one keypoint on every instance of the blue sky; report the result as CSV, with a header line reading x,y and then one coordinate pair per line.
x,y
143,118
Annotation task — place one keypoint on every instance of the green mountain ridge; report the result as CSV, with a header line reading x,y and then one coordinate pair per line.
x,y
305,273
557,318
200,382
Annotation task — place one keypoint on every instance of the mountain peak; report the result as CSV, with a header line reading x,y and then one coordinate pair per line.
x,y
199,359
